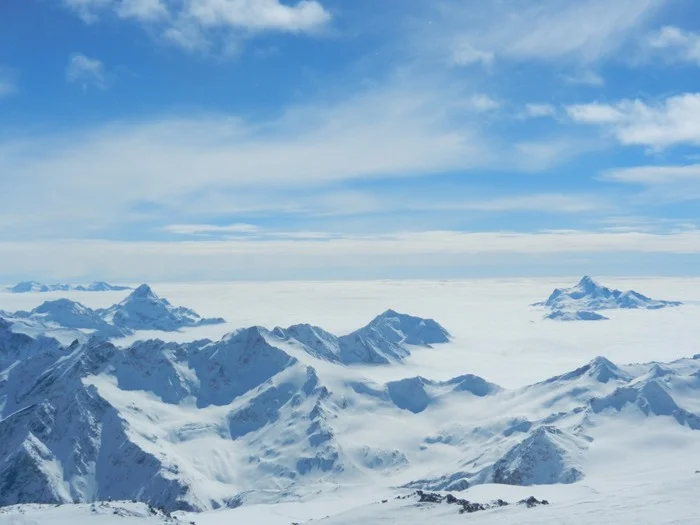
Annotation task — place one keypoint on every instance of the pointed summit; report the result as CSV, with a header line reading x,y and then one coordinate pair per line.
x,y
143,291
588,281
599,369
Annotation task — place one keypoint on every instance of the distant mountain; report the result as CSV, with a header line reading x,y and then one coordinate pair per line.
x,y
144,310
588,295
579,315
34,286
101,286
141,310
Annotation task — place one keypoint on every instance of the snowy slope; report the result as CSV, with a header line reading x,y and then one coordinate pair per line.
x,y
104,513
93,421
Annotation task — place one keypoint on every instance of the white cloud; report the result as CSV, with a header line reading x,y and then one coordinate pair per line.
x,y
540,110
673,121
258,15
679,45
204,25
86,72
582,31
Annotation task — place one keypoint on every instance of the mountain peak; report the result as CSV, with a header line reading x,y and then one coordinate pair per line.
x,y
143,291
604,370
588,282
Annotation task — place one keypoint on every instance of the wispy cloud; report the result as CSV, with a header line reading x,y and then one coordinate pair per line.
x,y
654,174
584,78
88,10
143,10
545,30
464,54
86,72
664,184
675,44
540,110
8,82
386,133
210,229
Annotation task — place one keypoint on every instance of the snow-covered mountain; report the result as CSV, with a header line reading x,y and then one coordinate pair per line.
x,y
588,295
141,310
34,286
266,415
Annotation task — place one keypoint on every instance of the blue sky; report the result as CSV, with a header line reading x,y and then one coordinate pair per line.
x,y
226,139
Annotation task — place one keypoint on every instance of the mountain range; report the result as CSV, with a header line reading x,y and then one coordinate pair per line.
x,y
266,415
34,286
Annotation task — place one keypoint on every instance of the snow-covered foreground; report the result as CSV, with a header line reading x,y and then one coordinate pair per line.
x,y
272,421
102,513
